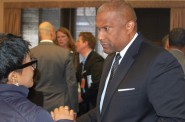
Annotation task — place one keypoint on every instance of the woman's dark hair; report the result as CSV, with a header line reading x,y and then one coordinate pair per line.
x,y
13,50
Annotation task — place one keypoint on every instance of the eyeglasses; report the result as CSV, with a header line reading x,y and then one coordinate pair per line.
x,y
32,63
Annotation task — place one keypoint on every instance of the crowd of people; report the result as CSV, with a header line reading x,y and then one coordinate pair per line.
x,y
137,82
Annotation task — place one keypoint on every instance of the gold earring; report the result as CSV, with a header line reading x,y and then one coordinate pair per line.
x,y
15,81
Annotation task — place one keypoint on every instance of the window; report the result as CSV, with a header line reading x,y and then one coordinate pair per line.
x,y
30,21
85,21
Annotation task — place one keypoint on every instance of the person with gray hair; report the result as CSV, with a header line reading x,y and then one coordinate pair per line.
x,y
16,76
177,45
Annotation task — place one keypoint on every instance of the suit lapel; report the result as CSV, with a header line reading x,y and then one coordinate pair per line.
x,y
87,60
119,76
104,75
106,68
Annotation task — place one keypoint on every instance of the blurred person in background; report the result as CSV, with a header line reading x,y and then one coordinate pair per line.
x,y
64,39
177,45
56,79
89,72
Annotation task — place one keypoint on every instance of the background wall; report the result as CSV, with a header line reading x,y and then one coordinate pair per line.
x,y
155,17
7,4
146,9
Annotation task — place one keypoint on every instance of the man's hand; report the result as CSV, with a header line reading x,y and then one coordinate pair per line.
x,y
62,113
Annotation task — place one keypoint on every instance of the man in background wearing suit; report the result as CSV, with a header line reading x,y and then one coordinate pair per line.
x,y
140,82
88,71
57,79
177,45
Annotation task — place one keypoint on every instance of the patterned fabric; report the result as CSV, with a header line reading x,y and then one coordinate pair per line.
x,y
114,66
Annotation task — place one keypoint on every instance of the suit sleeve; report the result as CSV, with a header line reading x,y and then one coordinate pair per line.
x,y
166,89
88,117
72,84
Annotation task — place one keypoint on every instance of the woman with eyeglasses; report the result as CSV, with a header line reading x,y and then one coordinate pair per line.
x,y
16,76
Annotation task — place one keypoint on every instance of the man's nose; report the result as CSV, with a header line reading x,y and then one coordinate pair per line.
x,y
101,35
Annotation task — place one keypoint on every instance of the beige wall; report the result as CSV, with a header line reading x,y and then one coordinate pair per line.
x,y
44,4
82,3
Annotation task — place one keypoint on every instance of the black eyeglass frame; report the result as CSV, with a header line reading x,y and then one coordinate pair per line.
x,y
33,61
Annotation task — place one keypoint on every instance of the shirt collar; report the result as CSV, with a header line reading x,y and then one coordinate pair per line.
x,y
46,41
84,58
122,52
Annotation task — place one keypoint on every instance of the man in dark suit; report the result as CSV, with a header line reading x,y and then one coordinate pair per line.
x,y
57,80
88,71
148,84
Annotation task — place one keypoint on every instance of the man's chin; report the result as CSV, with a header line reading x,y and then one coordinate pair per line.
x,y
107,51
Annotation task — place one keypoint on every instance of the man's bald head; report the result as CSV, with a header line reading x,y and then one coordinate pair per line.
x,y
46,31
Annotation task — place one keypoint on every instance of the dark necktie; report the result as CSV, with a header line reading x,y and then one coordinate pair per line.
x,y
83,76
83,64
114,67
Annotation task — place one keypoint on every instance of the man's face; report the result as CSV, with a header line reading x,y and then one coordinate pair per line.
x,y
62,39
26,76
112,31
80,45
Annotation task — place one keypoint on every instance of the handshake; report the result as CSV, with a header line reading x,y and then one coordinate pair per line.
x,y
63,113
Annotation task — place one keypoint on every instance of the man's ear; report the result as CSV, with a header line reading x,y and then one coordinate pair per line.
x,y
130,26
86,43
53,35
167,45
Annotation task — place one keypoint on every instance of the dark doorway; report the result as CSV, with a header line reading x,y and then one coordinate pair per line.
x,y
154,23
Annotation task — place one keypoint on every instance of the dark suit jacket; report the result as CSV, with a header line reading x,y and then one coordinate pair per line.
x,y
148,86
57,79
92,68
